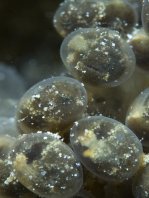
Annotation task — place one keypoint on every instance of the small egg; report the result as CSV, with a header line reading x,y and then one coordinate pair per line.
x,y
12,84
8,107
107,148
137,118
6,143
137,5
74,14
140,45
8,126
98,57
46,166
51,105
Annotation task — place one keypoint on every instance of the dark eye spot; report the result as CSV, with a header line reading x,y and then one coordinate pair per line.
x,y
34,153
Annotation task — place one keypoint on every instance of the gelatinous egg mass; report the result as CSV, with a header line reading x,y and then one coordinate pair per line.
x,y
51,105
107,148
73,14
145,15
98,56
137,118
46,165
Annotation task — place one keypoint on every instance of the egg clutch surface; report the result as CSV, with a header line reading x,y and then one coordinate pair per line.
x,y
86,133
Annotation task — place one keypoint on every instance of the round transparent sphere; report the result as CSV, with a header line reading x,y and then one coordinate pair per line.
x,y
8,107
51,105
137,5
98,56
107,148
140,46
137,118
9,80
46,166
73,14
8,126
6,144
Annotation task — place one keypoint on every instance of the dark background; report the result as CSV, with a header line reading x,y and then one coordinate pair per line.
x,y
28,39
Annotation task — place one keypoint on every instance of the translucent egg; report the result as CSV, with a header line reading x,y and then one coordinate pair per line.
x,y
140,46
8,126
141,183
120,16
98,56
11,83
137,118
137,5
107,148
41,66
46,166
7,107
6,143
7,117
51,105
145,15
73,14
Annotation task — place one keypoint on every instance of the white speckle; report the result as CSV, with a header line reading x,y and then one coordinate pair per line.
x,y
36,96
43,173
76,123
45,108
60,154
30,177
